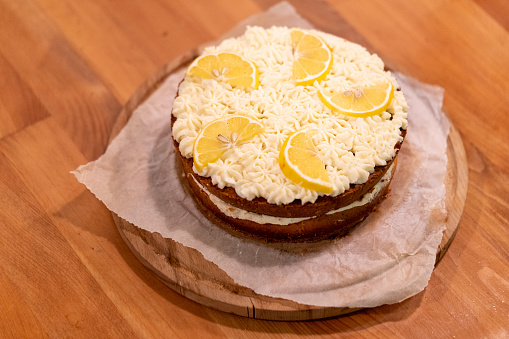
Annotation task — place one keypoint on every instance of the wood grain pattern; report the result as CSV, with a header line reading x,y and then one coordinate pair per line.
x,y
456,189
68,68
22,108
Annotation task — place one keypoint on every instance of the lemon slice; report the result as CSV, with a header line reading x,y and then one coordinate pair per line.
x,y
227,67
219,135
299,162
360,102
313,58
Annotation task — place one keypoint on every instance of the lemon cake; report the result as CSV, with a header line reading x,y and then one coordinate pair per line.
x,y
288,135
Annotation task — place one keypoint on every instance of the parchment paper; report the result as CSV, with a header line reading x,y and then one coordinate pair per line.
x,y
387,259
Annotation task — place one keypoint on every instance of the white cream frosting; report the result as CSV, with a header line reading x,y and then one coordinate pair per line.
x,y
238,213
349,147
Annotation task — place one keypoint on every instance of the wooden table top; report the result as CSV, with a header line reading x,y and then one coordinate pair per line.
x,y
68,67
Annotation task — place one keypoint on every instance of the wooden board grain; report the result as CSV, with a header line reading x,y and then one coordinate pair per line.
x,y
187,272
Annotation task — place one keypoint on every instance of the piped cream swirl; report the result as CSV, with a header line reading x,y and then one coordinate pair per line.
x,y
349,147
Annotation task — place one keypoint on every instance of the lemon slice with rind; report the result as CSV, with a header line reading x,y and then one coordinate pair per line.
x,y
227,67
360,102
220,135
313,58
299,162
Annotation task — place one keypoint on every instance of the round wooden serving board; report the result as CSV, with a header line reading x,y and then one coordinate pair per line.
x,y
186,271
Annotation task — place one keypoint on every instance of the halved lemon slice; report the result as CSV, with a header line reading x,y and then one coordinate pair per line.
x,y
227,67
299,162
360,102
313,58
219,135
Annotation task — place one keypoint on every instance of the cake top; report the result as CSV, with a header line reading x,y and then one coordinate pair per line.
x,y
349,147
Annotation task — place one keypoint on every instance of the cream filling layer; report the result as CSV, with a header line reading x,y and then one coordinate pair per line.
x,y
238,213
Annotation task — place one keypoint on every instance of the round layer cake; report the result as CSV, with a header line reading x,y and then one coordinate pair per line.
x,y
245,188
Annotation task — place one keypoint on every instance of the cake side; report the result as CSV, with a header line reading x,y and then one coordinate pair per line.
x,y
325,225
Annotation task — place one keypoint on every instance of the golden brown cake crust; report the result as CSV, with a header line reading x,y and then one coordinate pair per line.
x,y
310,230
